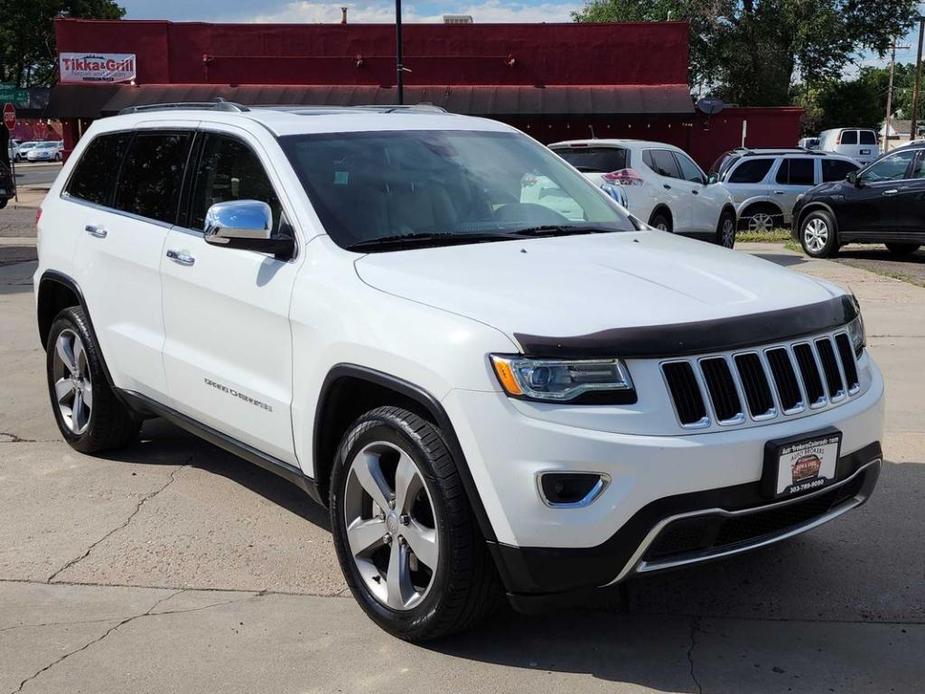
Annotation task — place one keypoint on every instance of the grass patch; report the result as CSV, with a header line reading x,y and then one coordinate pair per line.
x,y
777,235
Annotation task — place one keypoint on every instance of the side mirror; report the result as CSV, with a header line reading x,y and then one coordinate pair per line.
x,y
854,179
712,178
246,225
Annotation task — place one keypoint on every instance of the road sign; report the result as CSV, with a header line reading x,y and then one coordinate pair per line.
x,y
14,95
9,116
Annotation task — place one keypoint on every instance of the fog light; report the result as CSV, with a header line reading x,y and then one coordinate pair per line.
x,y
571,489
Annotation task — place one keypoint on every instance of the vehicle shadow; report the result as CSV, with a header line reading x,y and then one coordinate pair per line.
x,y
783,259
162,443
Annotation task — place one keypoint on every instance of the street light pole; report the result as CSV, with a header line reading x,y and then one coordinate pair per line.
x,y
399,67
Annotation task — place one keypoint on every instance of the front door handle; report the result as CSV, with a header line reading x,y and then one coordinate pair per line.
x,y
891,191
667,187
96,231
778,192
181,258
695,192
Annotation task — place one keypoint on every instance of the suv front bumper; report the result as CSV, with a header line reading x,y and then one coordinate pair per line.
x,y
671,501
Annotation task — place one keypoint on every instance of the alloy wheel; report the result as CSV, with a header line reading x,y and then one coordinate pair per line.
x,y
761,222
816,234
728,232
72,383
390,525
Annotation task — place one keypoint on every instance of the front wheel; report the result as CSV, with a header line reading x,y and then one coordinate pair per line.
x,y
902,248
818,236
726,230
405,535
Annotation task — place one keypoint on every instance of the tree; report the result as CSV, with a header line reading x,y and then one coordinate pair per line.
x,y
27,35
750,52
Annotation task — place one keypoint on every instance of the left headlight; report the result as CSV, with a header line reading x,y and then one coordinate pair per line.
x,y
857,335
589,382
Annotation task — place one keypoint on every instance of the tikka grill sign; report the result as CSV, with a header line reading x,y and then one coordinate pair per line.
x,y
97,67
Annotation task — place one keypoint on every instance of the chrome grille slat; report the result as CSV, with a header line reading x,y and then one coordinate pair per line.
x,y
764,383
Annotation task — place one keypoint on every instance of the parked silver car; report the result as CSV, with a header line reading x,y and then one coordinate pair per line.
x,y
765,183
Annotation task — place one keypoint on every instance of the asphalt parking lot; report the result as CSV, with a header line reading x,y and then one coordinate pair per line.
x,y
174,567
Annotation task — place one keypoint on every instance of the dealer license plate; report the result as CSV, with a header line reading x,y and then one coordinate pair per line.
x,y
800,464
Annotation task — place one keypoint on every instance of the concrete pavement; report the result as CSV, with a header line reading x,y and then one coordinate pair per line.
x,y
174,567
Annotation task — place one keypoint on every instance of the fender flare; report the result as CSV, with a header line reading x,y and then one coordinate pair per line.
x,y
812,207
426,400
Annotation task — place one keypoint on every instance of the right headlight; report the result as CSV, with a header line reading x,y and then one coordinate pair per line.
x,y
572,381
856,334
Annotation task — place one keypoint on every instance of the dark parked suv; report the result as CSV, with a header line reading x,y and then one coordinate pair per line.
x,y
6,185
882,203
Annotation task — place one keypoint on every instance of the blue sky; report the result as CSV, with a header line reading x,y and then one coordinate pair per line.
x,y
362,11
383,11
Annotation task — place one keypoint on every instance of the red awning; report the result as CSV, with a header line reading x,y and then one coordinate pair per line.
x,y
69,101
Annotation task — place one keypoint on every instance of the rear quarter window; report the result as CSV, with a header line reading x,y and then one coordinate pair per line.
x,y
867,137
94,176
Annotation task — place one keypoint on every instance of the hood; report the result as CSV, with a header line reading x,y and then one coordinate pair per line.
x,y
578,285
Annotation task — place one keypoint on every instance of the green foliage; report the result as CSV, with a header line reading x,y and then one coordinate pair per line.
x,y
27,35
750,52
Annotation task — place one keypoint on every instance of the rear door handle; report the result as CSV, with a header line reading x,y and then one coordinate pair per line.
x,y
695,192
891,191
667,187
778,192
180,257
97,231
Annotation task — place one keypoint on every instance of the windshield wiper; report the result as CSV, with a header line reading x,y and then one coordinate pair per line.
x,y
560,230
429,238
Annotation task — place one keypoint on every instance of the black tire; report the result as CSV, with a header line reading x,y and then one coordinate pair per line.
x,y
3,202
464,587
902,248
812,226
726,230
661,220
111,424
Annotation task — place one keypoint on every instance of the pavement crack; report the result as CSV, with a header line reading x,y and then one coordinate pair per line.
x,y
695,627
145,499
7,437
87,645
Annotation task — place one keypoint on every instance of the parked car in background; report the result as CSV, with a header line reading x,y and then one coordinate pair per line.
x,y
11,147
22,149
765,183
46,151
661,184
881,203
7,185
861,144
811,143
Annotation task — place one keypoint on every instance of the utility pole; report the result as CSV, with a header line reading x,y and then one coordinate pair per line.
x,y
918,79
399,67
887,123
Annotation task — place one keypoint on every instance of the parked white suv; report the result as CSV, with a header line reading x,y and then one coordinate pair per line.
x,y
490,396
661,184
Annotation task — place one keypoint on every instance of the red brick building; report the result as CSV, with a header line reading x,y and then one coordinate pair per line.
x,y
554,81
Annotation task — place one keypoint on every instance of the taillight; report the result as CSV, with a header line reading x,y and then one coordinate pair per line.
x,y
38,215
624,177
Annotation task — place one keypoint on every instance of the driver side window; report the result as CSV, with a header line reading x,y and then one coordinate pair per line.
x,y
892,168
229,170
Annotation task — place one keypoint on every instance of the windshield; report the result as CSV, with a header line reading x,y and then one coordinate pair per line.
x,y
594,159
436,187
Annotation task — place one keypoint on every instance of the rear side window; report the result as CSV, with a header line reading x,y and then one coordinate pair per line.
x,y
796,172
595,159
229,170
836,170
751,171
152,173
867,137
661,162
849,137
94,177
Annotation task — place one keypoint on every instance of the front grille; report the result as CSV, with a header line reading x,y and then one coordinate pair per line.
x,y
715,532
766,383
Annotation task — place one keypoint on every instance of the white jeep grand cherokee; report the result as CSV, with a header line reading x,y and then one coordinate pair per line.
x,y
492,396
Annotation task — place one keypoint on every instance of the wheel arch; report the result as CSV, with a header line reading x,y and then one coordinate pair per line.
x,y
348,391
760,203
56,292
815,207
661,207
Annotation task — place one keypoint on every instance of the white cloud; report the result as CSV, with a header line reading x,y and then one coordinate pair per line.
x,y
384,12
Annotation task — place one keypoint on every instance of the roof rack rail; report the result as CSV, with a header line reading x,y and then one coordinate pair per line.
x,y
217,104
758,152
391,108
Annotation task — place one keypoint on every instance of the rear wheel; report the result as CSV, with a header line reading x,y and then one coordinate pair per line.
x,y
902,248
89,415
726,230
661,220
403,529
762,218
818,236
